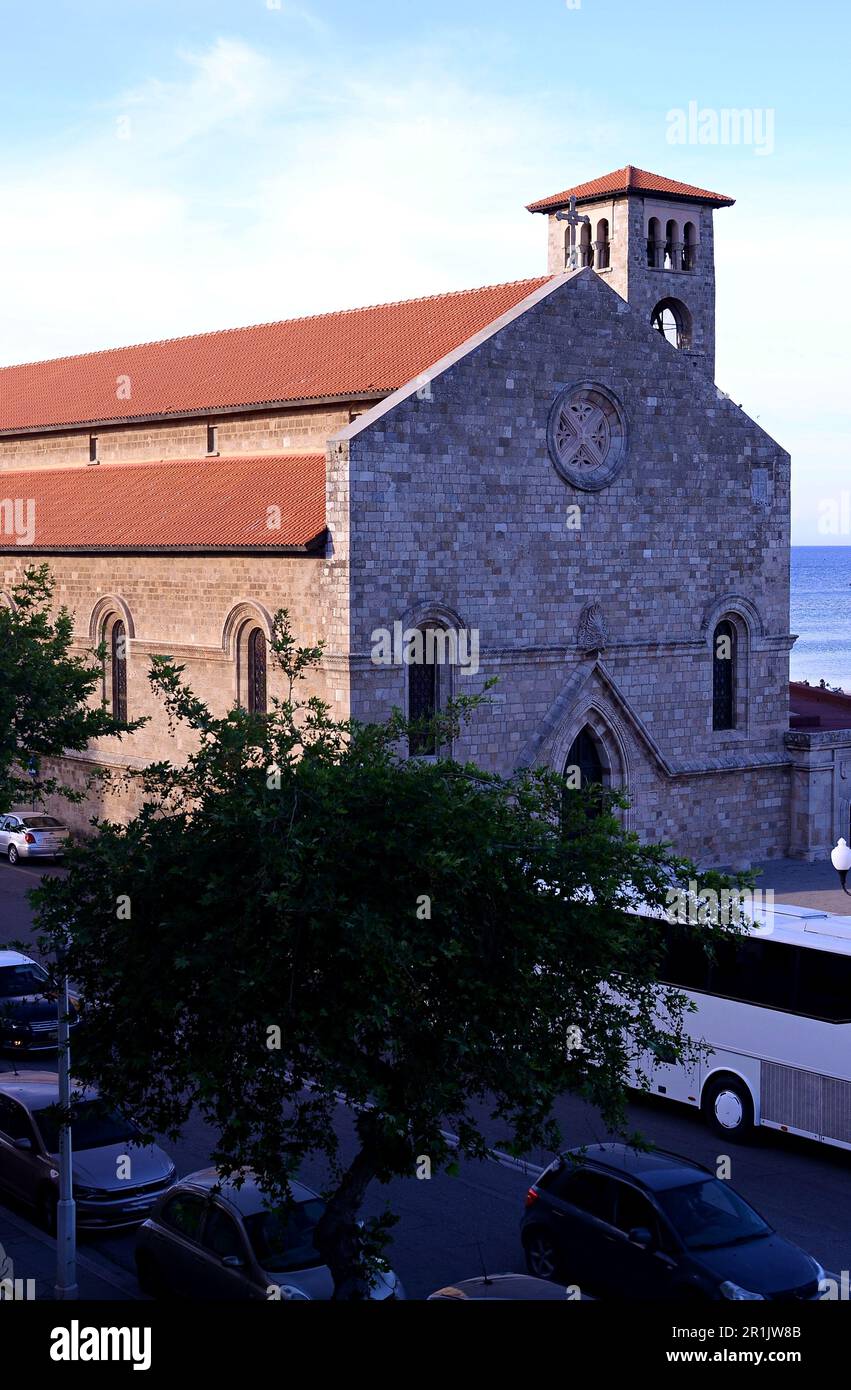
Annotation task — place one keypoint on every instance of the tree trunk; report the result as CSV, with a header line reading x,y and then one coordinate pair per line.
x,y
338,1236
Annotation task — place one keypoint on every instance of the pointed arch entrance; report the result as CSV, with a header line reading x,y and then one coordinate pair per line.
x,y
588,758
590,750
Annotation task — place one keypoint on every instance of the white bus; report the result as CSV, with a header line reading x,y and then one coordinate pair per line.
x,y
774,1007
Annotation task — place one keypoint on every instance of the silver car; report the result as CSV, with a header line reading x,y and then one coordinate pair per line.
x,y
28,1006
32,835
207,1239
116,1180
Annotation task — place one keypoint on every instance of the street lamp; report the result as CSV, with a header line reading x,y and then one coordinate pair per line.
x,y
840,858
66,1211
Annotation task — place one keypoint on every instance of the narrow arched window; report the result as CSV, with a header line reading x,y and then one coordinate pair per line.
x,y
586,250
724,661
256,672
689,246
118,669
584,768
602,244
655,243
427,687
672,246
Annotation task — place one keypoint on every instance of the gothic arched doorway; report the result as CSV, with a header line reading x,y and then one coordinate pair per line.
x,y
585,766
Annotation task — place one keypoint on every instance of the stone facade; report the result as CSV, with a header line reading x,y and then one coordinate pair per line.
x,y
189,608
291,430
820,809
455,512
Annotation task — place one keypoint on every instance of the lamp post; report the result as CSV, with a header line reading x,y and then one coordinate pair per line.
x,y
66,1211
840,858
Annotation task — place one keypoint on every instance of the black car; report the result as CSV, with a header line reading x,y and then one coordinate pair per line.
x,y
28,1013
624,1224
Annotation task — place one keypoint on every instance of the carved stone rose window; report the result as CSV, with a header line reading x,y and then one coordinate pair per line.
x,y
587,436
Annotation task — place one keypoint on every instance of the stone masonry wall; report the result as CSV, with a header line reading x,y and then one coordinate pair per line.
x,y
294,430
456,507
180,606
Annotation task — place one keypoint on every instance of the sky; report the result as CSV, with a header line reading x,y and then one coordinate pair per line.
x,y
172,166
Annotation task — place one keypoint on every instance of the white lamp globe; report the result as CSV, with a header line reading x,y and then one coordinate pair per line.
x,y
840,857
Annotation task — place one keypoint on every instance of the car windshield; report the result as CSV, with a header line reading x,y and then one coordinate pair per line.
x,y
41,823
283,1240
708,1214
26,978
92,1126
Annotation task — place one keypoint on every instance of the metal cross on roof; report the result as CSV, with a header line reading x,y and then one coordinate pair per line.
x,y
574,219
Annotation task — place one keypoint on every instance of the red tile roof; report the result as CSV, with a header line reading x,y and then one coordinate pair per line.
x,y
630,180
180,504
370,351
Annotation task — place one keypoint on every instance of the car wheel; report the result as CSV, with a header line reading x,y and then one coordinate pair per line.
x,y
542,1259
47,1204
13,855
728,1108
150,1276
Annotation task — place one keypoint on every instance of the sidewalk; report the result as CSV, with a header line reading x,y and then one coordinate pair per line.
x,y
27,1253
806,885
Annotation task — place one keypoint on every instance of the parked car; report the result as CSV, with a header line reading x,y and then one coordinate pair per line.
x,y
633,1225
104,1144
32,835
28,1006
209,1239
501,1288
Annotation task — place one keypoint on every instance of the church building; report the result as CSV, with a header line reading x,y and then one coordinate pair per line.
x,y
539,477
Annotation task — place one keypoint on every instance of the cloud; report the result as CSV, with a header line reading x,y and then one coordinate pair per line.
x,y
253,188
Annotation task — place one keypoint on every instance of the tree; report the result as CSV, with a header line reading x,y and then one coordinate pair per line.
x,y
300,917
45,692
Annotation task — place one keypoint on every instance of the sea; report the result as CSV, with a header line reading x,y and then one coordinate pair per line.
x,y
821,614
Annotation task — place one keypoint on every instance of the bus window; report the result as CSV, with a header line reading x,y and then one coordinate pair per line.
x,y
686,963
824,986
758,971
755,971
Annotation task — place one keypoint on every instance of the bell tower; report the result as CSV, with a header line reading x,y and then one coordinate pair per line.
x,y
652,239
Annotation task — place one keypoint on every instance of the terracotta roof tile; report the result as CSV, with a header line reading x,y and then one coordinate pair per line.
x,y
355,352
179,504
630,180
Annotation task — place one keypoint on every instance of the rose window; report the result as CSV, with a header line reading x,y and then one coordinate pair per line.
x,y
587,436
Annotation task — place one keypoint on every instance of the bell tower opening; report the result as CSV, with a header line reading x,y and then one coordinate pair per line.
x,y
652,239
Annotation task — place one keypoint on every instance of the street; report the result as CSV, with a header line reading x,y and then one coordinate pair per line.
x,y
450,1227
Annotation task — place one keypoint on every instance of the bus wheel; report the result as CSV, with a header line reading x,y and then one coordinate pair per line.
x,y
728,1108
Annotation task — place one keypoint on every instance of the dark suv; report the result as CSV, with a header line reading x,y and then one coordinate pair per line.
x,y
624,1224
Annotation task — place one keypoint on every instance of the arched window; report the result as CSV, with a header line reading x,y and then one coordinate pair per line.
x,y
586,250
118,655
602,244
255,693
672,245
672,319
655,243
724,662
689,246
113,636
428,683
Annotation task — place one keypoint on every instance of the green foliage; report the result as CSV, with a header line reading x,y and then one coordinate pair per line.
x,y
424,935
44,692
